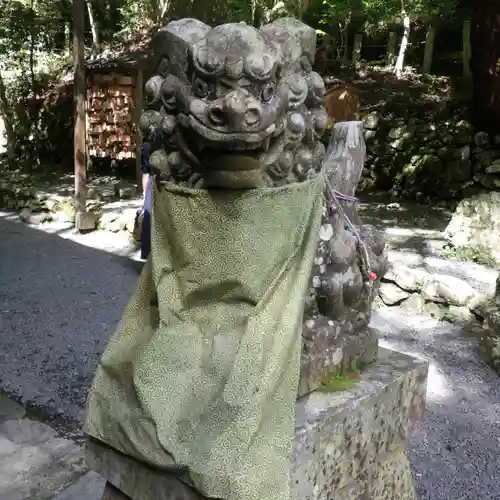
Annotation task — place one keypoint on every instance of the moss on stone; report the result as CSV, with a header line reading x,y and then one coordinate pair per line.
x,y
339,382
342,379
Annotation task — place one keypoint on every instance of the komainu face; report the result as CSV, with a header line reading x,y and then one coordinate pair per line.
x,y
234,106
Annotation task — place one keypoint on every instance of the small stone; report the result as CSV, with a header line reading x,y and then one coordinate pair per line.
x,y
115,226
398,132
485,180
463,153
446,153
414,304
478,304
25,214
391,294
310,323
493,169
107,194
126,193
371,120
449,290
406,278
326,232
481,139
393,206
432,309
370,134
461,313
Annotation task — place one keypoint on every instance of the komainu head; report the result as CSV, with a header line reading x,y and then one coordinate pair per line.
x,y
235,106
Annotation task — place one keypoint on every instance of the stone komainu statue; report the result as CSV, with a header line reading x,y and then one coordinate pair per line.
x,y
238,305
237,107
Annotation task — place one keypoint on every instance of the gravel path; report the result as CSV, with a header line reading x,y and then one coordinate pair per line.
x,y
455,452
60,301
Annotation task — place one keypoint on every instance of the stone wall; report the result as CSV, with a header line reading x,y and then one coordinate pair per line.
x,y
424,159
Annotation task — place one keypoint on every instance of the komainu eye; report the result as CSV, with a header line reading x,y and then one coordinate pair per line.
x,y
201,87
267,92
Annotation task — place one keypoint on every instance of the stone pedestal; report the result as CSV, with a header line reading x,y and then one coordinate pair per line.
x,y
349,445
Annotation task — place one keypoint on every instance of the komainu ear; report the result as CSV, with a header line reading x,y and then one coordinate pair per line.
x,y
294,39
173,44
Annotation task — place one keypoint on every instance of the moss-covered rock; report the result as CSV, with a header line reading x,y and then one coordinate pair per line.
x,y
474,230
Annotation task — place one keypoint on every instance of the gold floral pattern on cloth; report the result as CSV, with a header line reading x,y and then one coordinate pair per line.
x,y
201,376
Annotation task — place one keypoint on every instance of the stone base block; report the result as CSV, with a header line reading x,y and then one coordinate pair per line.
x,y
389,479
349,444
85,221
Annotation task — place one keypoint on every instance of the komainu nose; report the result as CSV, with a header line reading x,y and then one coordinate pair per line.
x,y
237,109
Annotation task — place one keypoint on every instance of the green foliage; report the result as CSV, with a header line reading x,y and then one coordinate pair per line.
x,y
22,26
449,317
370,16
35,38
134,12
475,254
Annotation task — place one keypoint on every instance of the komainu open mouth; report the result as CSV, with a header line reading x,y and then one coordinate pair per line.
x,y
240,141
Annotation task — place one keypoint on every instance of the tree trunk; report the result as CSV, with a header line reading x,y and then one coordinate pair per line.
x,y
164,7
391,49
466,50
32,42
79,72
356,51
8,120
429,49
93,26
400,62
485,52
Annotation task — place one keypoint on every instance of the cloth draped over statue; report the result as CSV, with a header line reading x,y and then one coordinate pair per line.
x,y
200,378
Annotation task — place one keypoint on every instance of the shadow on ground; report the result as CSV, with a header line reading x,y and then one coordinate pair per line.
x,y
383,211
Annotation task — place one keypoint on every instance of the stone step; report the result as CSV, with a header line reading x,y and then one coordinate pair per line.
x,y
35,461
88,487
349,444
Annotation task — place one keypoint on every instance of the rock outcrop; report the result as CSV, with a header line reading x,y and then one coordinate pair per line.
x,y
474,229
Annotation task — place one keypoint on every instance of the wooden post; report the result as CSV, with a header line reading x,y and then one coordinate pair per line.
x,y
391,49
429,49
356,50
466,51
138,104
84,220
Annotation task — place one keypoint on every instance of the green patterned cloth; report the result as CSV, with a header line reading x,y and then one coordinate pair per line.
x,y
201,376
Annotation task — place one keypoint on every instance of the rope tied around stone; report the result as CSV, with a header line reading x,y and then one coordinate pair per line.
x,y
335,198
